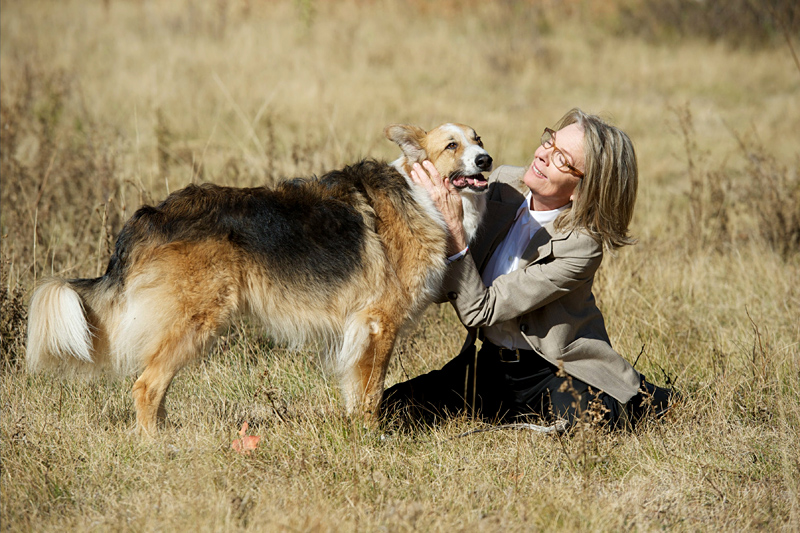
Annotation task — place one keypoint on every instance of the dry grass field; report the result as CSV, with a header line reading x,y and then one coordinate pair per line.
x,y
106,105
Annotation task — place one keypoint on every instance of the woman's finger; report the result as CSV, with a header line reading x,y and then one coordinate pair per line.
x,y
420,177
435,177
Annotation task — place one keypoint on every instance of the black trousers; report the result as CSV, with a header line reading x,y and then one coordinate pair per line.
x,y
497,388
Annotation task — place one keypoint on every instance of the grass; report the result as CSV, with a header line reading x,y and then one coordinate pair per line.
x,y
108,105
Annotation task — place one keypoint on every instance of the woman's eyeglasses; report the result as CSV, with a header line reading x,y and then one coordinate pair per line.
x,y
558,158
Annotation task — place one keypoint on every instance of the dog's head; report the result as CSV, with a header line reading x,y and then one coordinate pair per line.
x,y
454,149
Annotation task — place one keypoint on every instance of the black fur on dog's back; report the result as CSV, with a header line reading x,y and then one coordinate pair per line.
x,y
302,226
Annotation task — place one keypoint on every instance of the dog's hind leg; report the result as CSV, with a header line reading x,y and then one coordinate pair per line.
x,y
149,393
176,305
150,389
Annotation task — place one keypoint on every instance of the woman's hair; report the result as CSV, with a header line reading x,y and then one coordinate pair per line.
x,y
604,199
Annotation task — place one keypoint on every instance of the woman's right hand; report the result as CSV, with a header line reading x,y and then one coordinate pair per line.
x,y
447,200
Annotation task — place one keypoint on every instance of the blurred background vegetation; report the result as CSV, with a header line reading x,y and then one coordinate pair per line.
x,y
734,22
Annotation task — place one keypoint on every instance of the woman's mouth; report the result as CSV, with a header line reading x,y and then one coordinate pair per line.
x,y
537,171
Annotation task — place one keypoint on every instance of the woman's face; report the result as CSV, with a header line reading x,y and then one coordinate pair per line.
x,y
552,187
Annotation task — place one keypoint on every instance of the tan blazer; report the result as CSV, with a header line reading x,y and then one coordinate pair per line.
x,y
549,298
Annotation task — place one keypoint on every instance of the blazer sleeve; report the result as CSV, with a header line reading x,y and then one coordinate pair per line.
x,y
571,263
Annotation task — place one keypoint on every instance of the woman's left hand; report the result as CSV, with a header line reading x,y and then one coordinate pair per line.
x,y
447,200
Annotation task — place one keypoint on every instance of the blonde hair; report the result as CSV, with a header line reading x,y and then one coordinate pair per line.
x,y
604,199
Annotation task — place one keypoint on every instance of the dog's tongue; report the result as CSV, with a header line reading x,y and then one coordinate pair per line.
x,y
459,181
476,182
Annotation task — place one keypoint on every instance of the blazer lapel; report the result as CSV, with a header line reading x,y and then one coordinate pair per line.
x,y
541,245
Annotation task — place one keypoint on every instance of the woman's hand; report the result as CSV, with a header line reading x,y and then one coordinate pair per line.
x,y
447,200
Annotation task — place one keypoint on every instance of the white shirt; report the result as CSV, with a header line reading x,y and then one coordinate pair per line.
x,y
505,260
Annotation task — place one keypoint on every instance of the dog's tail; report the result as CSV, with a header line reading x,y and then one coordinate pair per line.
x,y
61,336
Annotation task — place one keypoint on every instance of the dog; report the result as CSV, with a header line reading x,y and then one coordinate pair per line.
x,y
347,260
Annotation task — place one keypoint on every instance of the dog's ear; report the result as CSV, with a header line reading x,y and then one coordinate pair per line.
x,y
409,139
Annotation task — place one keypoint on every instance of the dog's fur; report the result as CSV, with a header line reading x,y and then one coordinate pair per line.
x,y
347,259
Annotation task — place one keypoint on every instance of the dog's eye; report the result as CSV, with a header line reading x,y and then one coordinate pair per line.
x,y
479,141
452,146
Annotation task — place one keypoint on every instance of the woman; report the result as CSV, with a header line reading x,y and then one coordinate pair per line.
x,y
525,288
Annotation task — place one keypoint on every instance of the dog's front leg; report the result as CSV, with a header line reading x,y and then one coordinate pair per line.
x,y
363,383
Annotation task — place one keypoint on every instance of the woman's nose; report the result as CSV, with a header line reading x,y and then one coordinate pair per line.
x,y
543,154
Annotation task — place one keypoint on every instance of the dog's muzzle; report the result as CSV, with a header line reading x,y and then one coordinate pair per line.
x,y
475,182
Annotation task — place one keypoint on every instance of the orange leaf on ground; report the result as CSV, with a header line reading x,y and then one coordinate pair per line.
x,y
247,443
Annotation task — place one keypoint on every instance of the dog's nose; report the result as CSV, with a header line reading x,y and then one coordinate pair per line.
x,y
484,161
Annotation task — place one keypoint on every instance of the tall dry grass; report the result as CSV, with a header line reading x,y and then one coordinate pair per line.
x,y
108,105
